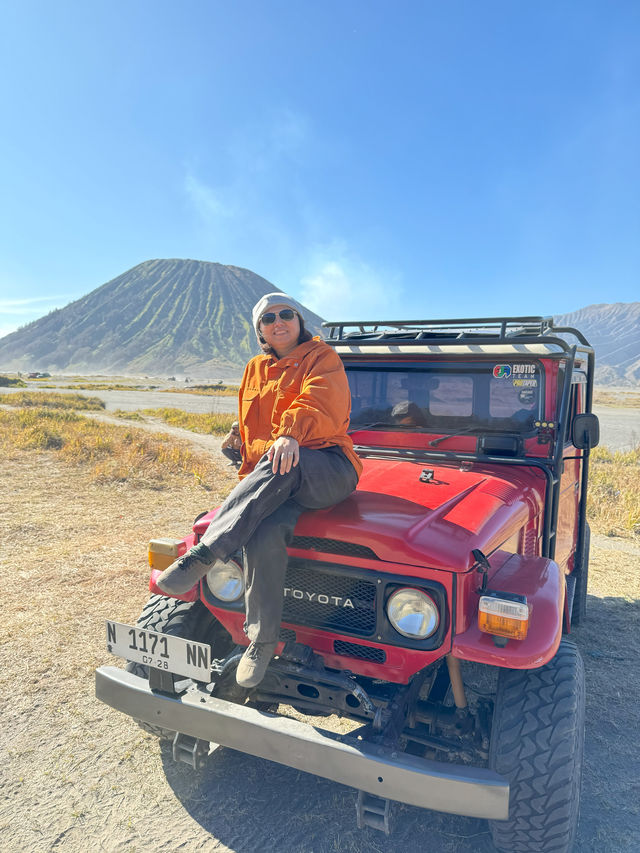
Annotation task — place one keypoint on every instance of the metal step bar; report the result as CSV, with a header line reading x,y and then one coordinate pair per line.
x,y
374,812
190,750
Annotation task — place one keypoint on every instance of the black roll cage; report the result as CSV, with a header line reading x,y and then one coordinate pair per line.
x,y
485,331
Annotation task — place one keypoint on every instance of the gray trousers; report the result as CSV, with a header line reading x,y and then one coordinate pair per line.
x,y
232,455
260,515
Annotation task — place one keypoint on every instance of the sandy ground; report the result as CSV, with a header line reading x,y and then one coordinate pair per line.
x,y
199,441
77,775
619,427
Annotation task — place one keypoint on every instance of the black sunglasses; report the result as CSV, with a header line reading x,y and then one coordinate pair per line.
x,y
270,317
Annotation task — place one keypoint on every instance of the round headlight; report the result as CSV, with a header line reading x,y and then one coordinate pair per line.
x,y
413,613
226,580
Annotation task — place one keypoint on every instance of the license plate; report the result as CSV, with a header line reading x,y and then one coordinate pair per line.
x,y
162,651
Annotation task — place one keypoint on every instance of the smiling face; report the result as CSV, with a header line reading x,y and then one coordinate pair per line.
x,y
282,335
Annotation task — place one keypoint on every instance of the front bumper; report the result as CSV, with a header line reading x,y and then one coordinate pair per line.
x,y
458,789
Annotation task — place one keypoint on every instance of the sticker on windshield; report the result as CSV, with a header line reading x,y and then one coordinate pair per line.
x,y
502,371
524,376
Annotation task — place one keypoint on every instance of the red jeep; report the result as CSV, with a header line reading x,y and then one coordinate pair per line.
x,y
429,608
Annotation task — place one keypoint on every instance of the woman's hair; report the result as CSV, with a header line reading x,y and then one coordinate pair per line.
x,y
304,335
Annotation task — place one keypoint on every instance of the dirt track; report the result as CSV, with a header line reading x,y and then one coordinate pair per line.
x,y
79,776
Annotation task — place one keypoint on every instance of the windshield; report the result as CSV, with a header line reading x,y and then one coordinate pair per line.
x,y
447,396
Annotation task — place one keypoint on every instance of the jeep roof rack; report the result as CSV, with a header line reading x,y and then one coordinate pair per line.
x,y
486,329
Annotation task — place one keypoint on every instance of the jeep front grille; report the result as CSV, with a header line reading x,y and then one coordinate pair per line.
x,y
327,600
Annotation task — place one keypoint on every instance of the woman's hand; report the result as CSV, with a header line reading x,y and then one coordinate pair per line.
x,y
284,454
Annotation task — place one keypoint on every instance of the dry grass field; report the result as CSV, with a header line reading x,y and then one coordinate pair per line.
x,y
614,492
620,397
78,776
208,390
207,423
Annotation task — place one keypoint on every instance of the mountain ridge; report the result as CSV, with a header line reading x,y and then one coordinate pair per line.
x,y
613,330
189,317
163,315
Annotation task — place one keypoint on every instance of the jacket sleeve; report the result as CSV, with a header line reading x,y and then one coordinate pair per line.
x,y
321,409
244,467
241,390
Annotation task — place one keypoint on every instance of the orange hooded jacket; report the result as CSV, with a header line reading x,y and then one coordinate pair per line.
x,y
304,395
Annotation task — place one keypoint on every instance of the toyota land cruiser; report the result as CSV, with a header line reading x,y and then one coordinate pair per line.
x,y
431,607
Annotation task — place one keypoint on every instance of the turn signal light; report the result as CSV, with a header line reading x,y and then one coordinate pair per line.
x,y
504,617
163,552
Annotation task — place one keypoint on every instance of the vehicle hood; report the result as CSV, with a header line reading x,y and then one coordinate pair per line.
x,y
437,524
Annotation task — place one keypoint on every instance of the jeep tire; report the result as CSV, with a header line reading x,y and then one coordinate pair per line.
x,y
187,619
537,743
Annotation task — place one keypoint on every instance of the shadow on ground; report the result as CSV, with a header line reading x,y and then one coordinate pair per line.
x,y
251,804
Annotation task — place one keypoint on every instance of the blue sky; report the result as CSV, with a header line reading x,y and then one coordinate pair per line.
x,y
374,159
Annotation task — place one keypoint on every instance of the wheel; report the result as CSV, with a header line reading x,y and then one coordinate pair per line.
x,y
188,619
537,742
579,609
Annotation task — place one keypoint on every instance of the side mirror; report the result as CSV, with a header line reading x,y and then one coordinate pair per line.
x,y
585,431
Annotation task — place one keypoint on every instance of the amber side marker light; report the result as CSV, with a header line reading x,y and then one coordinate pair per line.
x,y
163,552
504,615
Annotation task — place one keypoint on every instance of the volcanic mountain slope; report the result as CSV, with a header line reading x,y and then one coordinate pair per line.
x,y
614,332
194,318
162,316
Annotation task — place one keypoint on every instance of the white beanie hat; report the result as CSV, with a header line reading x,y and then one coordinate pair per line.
x,y
268,301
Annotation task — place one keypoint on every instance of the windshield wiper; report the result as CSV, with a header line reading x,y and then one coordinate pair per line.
x,y
436,441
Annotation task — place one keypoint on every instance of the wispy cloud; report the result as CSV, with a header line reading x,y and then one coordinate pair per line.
x,y
248,199
246,179
341,286
259,212
209,203
30,306
15,313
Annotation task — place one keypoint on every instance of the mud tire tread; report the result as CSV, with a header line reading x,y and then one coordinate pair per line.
x,y
537,742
